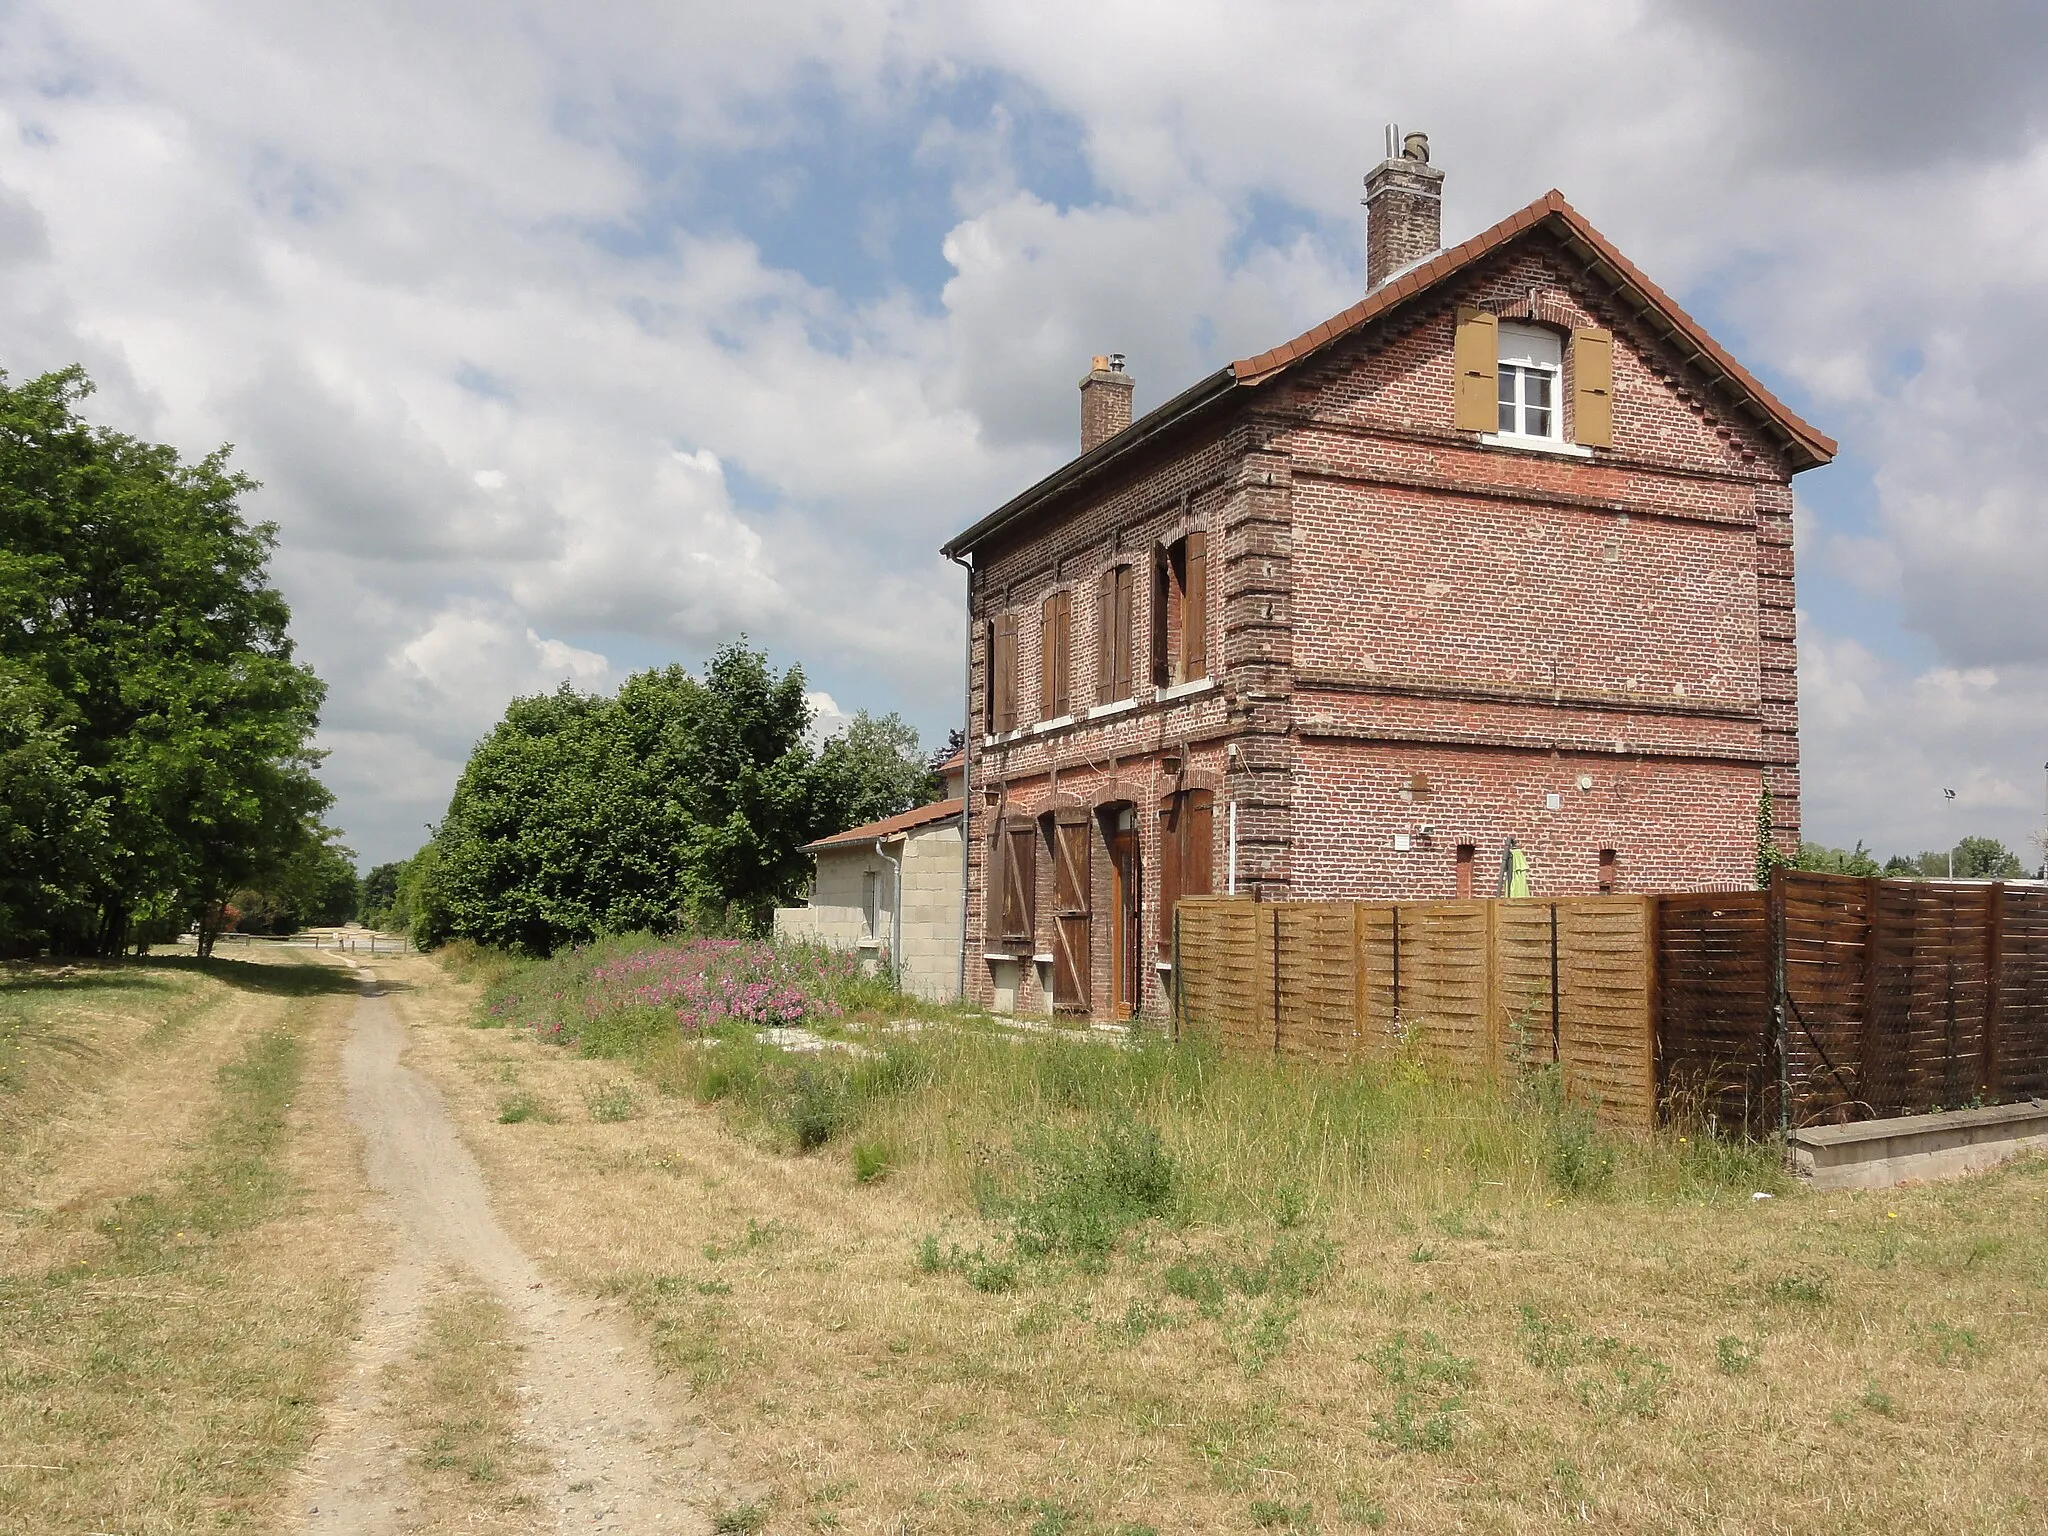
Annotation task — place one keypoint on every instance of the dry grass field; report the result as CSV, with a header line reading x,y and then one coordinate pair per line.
x,y
1052,1286
948,1279
176,1270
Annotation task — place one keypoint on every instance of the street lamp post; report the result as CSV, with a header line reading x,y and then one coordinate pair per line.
x,y
1949,795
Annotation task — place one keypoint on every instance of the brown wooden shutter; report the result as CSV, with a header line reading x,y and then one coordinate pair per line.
x,y
1593,387
1006,674
1048,658
1162,599
1020,882
1105,638
1475,354
1056,687
995,890
1172,823
1194,610
1198,843
1120,681
1070,965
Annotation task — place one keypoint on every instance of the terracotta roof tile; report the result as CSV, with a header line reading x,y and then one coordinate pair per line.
x,y
889,826
1257,369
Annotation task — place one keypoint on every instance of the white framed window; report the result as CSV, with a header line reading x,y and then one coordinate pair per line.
x,y
1530,381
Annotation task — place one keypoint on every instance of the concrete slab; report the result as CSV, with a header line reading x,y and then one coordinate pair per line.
x,y
1876,1154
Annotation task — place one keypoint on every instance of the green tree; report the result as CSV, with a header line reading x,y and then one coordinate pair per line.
x,y
681,800
1837,861
156,727
378,904
873,769
1974,858
52,825
746,790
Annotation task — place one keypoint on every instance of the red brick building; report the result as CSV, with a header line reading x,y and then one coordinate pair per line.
x,y
1503,550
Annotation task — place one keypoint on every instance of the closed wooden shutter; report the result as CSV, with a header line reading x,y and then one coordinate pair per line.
x,y
1171,819
1475,355
1120,651
1194,610
1198,843
1593,387
1162,618
1072,891
1187,829
1105,638
1006,674
995,889
1020,882
1055,656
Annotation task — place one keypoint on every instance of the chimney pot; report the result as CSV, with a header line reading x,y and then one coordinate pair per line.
x,y
1404,208
1105,400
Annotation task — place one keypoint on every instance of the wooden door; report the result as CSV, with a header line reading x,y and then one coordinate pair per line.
x,y
1071,915
1126,950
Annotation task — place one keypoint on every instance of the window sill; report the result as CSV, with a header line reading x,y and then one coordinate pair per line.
x,y
1000,957
1057,723
1007,737
1120,707
1042,959
1184,690
1556,445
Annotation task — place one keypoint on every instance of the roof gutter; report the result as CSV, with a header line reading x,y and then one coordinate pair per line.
x,y
1153,424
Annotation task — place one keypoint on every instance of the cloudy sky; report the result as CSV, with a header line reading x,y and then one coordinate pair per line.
x,y
570,339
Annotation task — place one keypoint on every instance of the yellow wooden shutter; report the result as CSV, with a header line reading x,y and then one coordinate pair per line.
x,y
1593,387
1475,354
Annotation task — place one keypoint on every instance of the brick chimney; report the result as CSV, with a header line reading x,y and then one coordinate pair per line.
x,y
1105,401
1404,208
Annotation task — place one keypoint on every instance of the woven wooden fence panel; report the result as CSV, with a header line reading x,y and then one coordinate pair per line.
x,y
1445,982
1377,929
1606,999
2020,1062
1525,1026
1479,987
1714,1005
1900,997
1223,982
1827,973
1316,946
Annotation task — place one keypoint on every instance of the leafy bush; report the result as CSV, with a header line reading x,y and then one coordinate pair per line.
x,y
1081,1191
871,1160
612,997
609,1103
813,1104
517,1107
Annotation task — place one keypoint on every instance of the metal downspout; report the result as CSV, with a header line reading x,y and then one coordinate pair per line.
x,y
966,763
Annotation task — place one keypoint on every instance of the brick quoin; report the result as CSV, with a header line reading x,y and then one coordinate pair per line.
x,y
1413,634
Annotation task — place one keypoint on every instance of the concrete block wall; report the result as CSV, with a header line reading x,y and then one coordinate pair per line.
x,y
928,925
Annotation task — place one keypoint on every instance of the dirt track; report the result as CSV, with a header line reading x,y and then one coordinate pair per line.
x,y
593,1407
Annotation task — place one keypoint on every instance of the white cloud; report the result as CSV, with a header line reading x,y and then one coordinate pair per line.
x,y
464,285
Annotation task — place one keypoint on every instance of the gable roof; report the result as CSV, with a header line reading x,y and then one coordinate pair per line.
x,y
889,826
1803,445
